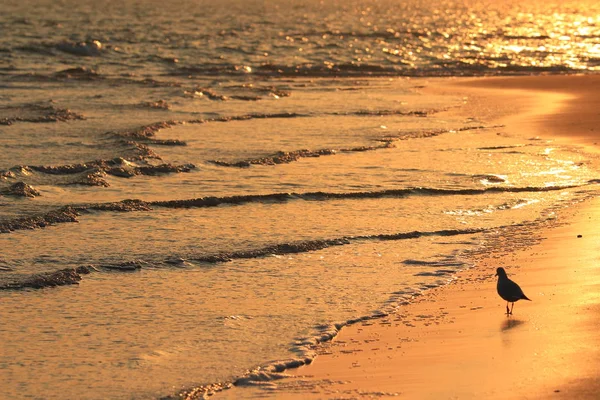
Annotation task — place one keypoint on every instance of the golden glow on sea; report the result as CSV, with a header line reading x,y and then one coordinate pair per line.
x,y
495,36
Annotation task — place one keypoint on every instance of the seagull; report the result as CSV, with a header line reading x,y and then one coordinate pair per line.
x,y
509,290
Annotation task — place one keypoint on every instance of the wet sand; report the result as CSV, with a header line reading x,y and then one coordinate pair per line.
x,y
564,108
456,341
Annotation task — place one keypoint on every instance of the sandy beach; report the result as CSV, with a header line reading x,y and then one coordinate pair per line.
x,y
456,341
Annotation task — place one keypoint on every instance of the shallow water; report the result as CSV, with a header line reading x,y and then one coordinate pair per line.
x,y
286,176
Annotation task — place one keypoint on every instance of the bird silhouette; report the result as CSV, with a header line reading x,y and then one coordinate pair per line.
x,y
509,290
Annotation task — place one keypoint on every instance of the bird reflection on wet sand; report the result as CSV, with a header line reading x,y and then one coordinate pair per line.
x,y
509,324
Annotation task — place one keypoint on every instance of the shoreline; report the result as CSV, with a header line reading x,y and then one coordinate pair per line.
x,y
560,108
457,336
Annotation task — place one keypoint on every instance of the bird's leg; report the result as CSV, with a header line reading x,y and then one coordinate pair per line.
x,y
507,312
511,308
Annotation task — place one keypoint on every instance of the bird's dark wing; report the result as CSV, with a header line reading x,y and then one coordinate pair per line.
x,y
509,290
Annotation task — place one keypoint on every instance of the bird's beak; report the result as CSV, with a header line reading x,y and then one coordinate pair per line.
x,y
496,274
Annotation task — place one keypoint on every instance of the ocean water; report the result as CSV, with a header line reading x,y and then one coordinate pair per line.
x,y
196,193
